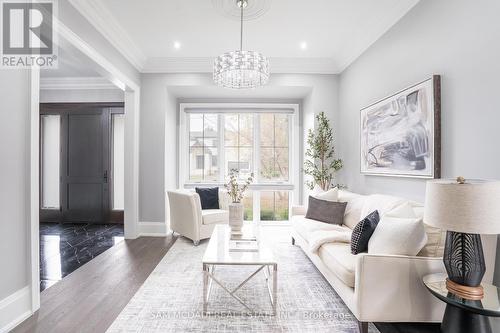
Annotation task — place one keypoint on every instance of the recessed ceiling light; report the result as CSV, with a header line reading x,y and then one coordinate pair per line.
x,y
177,45
303,45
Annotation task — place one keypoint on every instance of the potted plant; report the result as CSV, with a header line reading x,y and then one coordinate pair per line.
x,y
236,192
321,163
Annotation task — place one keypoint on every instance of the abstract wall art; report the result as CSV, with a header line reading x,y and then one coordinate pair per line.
x,y
401,134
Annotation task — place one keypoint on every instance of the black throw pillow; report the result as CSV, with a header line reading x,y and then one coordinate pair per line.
x,y
209,197
363,231
326,211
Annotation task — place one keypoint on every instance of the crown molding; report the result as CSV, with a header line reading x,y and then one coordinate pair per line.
x,y
75,83
205,65
103,20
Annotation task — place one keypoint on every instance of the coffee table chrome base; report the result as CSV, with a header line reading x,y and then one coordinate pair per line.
x,y
272,286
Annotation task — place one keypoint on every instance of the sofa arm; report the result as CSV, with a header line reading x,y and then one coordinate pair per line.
x,y
299,210
390,288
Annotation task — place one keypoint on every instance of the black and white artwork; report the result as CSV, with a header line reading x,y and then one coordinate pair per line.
x,y
400,135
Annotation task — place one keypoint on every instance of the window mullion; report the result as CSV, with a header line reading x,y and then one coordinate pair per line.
x,y
221,147
256,166
256,149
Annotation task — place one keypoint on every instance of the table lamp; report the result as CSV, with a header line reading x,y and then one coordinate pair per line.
x,y
465,209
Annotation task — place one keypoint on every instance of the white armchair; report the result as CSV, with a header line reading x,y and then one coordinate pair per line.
x,y
189,220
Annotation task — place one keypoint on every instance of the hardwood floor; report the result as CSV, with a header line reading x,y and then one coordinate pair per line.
x,y
90,298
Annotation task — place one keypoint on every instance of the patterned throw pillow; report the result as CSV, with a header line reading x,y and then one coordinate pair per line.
x,y
363,231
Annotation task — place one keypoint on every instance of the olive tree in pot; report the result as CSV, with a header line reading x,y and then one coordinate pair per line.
x,y
236,192
320,163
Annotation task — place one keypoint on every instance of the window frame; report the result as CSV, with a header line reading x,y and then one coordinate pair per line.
x,y
293,184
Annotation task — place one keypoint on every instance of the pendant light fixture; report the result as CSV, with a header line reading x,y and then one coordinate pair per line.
x,y
241,69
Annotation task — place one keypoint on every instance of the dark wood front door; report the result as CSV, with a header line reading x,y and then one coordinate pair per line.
x,y
84,162
84,178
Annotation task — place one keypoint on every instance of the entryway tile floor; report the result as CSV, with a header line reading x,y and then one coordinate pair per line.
x,y
66,247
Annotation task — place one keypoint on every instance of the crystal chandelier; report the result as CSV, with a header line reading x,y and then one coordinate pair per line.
x,y
241,69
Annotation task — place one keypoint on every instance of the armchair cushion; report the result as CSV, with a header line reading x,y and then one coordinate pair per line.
x,y
214,216
209,197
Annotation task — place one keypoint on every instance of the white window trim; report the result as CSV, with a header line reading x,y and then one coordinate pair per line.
x,y
293,185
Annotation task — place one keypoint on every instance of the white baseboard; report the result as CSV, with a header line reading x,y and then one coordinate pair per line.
x,y
14,309
152,229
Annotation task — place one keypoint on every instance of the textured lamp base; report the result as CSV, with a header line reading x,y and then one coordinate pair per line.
x,y
464,262
457,320
466,292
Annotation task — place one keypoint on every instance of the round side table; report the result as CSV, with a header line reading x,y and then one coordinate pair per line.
x,y
463,315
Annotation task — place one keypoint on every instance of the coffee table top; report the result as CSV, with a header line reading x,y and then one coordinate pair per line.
x,y
488,306
217,252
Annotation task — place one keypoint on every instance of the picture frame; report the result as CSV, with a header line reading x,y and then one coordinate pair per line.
x,y
400,135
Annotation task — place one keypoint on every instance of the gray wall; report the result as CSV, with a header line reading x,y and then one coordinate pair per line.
x,y
460,41
15,153
14,179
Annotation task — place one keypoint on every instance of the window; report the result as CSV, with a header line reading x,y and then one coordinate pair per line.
x,y
274,147
259,139
238,143
200,162
203,147
274,206
50,151
118,161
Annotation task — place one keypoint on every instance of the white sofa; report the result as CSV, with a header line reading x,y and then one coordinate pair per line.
x,y
381,288
189,220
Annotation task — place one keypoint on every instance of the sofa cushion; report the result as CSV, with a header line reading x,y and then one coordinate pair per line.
x,y
382,203
330,195
355,203
326,211
398,236
214,216
304,226
436,237
209,197
339,259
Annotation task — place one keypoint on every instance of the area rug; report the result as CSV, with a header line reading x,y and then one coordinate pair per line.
x,y
170,300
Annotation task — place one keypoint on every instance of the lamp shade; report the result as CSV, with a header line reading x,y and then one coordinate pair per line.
x,y
472,207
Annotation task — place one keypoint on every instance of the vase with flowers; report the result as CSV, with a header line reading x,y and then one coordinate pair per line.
x,y
236,192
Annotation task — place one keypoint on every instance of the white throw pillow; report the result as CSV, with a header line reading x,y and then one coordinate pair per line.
x,y
398,236
330,195
316,190
382,203
404,210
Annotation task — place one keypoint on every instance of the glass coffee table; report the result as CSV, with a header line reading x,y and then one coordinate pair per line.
x,y
219,254
463,315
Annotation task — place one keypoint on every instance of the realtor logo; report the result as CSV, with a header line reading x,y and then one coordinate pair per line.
x,y
28,34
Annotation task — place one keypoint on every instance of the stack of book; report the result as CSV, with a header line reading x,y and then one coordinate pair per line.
x,y
246,242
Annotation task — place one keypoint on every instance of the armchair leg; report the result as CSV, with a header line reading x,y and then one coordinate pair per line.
x,y
196,242
293,241
363,326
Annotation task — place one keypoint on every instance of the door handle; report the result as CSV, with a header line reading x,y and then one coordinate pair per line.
x,y
105,176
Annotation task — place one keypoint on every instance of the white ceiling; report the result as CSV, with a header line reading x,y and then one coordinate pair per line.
x,y
336,31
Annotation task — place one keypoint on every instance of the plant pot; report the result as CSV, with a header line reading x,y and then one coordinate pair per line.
x,y
236,217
